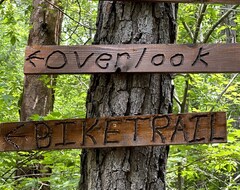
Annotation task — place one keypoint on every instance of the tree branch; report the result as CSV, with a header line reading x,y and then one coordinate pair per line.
x,y
184,102
21,163
224,90
76,27
56,7
201,159
218,22
211,175
1,1
177,100
199,21
188,29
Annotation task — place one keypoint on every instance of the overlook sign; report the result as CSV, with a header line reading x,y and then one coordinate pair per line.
x,y
134,58
114,132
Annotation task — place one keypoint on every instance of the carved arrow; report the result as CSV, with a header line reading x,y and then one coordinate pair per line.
x,y
12,134
34,56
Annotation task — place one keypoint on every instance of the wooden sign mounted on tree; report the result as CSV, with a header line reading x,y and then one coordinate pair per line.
x,y
134,58
194,128
192,1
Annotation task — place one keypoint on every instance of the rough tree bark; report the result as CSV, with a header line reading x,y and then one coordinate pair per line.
x,y
46,26
129,94
37,97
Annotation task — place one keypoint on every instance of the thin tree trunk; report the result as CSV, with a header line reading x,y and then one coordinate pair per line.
x,y
37,97
231,35
129,94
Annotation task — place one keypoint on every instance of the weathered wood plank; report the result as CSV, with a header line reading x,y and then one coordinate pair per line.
x,y
191,128
134,58
192,1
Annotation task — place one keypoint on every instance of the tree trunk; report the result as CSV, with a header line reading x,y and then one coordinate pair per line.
x,y
37,97
129,94
231,36
46,26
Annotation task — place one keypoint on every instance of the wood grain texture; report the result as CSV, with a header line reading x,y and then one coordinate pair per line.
x,y
192,1
134,58
125,131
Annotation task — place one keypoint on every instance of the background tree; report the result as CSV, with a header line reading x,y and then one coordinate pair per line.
x,y
37,97
207,166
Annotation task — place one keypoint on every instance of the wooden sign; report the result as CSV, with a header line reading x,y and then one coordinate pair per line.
x,y
193,1
126,131
133,58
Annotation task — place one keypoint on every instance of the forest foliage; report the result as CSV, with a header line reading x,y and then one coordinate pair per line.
x,y
213,166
